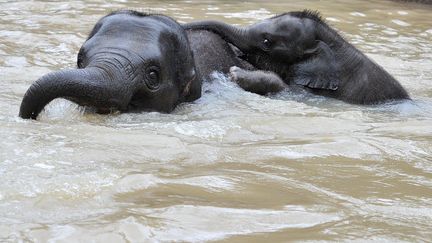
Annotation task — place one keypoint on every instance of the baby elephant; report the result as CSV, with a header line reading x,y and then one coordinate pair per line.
x,y
130,62
299,48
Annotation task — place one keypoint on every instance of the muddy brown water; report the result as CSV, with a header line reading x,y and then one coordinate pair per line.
x,y
232,166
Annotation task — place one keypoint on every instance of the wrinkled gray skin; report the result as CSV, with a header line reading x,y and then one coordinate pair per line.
x,y
299,48
136,62
130,62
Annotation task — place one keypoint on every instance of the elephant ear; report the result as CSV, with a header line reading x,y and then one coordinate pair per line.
x,y
320,69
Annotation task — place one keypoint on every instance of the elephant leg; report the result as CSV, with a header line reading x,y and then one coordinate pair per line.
x,y
258,82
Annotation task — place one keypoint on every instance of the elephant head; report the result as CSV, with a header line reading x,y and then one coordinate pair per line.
x,y
130,62
285,37
277,43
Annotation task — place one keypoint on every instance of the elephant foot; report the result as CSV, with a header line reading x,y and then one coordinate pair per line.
x,y
258,82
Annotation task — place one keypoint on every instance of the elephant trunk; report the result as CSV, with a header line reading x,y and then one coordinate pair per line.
x,y
90,86
235,35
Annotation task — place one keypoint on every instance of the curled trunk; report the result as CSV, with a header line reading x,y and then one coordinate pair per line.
x,y
89,86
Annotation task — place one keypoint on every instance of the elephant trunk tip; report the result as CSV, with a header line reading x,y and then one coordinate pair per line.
x,y
29,108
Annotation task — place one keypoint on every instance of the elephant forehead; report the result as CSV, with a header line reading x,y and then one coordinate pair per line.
x,y
288,24
141,32
129,30
283,27
126,43
132,27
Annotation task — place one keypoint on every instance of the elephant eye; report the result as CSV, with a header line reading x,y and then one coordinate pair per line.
x,y
152,78
266,43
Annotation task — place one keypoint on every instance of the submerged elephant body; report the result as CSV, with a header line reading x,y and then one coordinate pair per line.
x,y
138,62
303,50
135,62
130,62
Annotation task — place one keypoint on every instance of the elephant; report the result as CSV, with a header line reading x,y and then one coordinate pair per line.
x,y
300,49
133,62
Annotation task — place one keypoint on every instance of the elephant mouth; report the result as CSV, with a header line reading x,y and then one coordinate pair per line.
x,y
142,103
134,106
136,103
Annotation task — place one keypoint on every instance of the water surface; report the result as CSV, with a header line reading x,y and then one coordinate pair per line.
x,y
232,166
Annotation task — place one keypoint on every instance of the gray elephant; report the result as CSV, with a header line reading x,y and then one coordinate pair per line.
x,y
299,48
135,62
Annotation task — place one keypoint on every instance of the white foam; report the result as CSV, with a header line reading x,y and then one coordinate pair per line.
x,y
44,166
214,183
358,14
136,182
60,232
400,23
204,223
